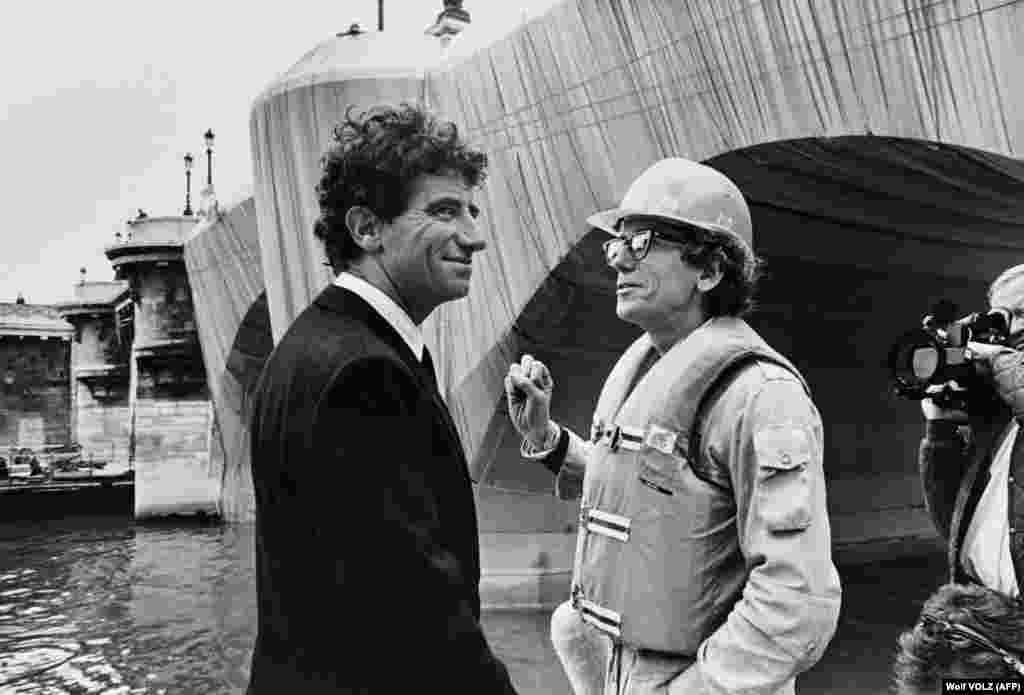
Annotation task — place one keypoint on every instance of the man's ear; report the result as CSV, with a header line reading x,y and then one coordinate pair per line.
x,y
364,226
711,275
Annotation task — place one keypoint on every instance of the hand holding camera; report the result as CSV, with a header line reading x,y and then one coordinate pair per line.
x,y
946,360
941,400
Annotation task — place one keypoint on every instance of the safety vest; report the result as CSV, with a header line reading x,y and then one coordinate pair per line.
x,y
657,561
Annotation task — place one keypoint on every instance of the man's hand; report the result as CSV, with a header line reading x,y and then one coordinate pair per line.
x,y
1003,368
932,411
528,388
982,355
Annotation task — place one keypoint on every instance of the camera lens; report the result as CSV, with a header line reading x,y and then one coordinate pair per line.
x,y
924,362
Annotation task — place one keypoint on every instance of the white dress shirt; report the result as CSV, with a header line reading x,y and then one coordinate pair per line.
x,y
386,307
986,550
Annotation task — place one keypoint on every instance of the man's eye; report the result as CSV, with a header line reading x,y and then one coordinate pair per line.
x,y
446,212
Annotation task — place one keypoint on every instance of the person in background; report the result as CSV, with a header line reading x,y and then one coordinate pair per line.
x,y
972,464
703,562
965,631
367,550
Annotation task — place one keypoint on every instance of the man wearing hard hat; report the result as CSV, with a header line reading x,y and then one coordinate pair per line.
x,y
703,562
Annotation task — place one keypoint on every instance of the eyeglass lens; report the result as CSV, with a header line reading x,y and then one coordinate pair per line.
x,y
638,244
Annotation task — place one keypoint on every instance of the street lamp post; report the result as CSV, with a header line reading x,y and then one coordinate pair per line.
x,y
208,137
380,15
452,19
188,185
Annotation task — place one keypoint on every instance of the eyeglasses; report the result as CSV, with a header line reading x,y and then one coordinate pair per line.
x,y
948,630
637,243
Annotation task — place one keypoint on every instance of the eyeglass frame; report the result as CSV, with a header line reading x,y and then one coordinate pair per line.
x,y
627,241
951,629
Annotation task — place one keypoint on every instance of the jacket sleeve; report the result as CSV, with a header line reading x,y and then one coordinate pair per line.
x,y
569,474
567,461
385,458
789,606
943,457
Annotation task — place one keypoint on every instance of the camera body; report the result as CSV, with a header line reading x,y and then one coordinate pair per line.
x,y
937,353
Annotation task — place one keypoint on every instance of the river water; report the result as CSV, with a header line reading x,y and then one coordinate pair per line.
x,y
105,606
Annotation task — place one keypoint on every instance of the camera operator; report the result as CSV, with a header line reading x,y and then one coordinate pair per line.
x,y
972,463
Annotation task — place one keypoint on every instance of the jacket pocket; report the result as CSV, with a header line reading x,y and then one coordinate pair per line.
x,y
660,473
783,495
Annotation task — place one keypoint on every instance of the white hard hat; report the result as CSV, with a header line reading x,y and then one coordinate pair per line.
x,y
681,190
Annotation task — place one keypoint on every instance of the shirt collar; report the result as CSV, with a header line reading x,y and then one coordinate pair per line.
x,y
651,344
386,307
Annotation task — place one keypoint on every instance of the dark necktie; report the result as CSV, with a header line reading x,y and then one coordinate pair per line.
x,y
1018,447
427,364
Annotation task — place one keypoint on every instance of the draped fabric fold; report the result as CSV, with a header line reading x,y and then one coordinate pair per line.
x,y
223,262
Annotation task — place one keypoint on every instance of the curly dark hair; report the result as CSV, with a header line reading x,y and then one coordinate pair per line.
x,y
375,158
927,654
741,270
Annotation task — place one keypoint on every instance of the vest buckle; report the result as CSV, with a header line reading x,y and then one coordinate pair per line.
x,y
615,438
661,439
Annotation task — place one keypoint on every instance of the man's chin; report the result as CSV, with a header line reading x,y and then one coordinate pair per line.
x,y
627,311
457,290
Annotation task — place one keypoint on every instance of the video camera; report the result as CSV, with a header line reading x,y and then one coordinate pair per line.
x,y
937,353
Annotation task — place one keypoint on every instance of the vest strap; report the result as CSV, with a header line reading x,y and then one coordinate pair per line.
x,y
605,523
604,619
639,438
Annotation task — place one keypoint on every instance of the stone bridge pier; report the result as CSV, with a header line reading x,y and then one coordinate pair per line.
x,y
170,415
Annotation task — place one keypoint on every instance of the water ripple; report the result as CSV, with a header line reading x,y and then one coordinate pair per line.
x,y
117,609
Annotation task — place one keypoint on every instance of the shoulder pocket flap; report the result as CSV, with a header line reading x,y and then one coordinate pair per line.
x,y
784,495
782,447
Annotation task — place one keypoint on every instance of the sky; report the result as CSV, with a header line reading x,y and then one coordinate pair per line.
x,y
100,101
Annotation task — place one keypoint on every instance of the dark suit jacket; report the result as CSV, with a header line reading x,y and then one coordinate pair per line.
x,y
367,554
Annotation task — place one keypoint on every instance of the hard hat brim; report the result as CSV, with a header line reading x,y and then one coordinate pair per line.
x,y
608,220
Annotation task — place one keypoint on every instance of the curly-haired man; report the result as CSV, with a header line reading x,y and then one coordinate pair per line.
x,y
965,631
366,532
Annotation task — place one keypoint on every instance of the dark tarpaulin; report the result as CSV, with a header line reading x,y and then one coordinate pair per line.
x,y
884,202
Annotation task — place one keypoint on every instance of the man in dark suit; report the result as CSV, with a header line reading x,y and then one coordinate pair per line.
x,y
367,551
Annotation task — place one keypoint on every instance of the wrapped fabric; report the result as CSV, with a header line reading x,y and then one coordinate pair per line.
x,y
572,106
223,262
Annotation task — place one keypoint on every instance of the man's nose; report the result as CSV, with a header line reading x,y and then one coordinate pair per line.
x,y
469,236
620,258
